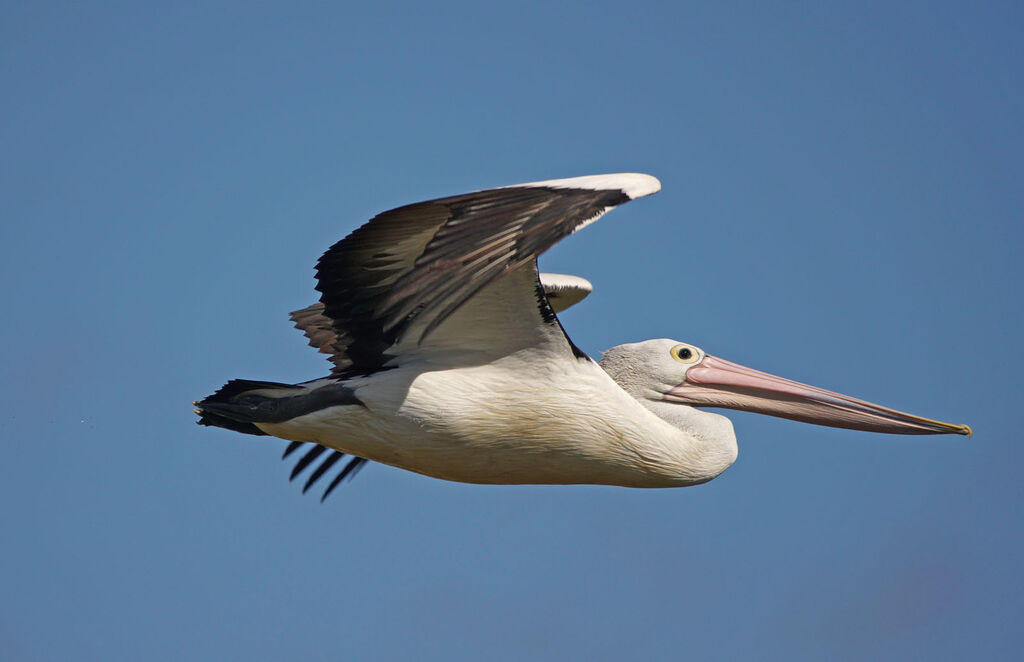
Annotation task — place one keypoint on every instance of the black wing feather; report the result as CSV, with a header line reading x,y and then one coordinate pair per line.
x,y
348,471
408,269
351,469
306,460
322,469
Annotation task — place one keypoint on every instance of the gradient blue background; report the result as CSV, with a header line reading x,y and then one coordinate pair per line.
x,y
842,205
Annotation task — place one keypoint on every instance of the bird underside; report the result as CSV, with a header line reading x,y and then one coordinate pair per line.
x,y
332,413
444,338
449,360
514,420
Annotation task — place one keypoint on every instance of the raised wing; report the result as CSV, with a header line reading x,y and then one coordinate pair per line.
x,y
562,291
401,275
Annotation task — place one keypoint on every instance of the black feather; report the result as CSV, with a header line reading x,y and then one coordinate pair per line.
x,y
322,469
306,459
408,269
352,468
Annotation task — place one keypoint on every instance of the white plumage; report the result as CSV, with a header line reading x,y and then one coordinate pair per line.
x,y
449,360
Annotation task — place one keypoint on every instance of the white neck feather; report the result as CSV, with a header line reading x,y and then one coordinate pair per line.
x,y
696,444
704,442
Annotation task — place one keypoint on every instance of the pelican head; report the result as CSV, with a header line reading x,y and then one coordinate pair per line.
x,y
675,372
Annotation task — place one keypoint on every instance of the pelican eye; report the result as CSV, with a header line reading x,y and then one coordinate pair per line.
x,y
684,353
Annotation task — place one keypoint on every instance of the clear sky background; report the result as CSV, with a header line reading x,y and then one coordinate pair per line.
x,y
842,205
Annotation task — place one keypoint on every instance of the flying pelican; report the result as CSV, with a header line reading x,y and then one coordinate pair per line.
x,y
449,360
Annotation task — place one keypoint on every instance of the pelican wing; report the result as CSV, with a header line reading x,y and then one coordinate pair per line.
x,y
562,291
401,275
317,327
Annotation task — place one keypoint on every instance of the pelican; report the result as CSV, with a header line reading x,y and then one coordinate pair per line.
x,y
449,360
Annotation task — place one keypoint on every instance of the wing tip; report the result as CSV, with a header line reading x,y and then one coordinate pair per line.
x,y
633,184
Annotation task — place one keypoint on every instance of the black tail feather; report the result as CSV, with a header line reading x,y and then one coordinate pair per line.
x,y
217,421
224,410
235,407
236,387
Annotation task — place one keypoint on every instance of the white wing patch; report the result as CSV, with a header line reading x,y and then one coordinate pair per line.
x,y
633,184
564,291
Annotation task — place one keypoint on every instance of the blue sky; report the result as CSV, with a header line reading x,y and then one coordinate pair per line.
x,y
842,205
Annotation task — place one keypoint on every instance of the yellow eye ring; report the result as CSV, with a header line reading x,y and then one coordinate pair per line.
x,y
685,353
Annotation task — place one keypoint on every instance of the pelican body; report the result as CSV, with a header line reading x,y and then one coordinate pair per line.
x,y
450,361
